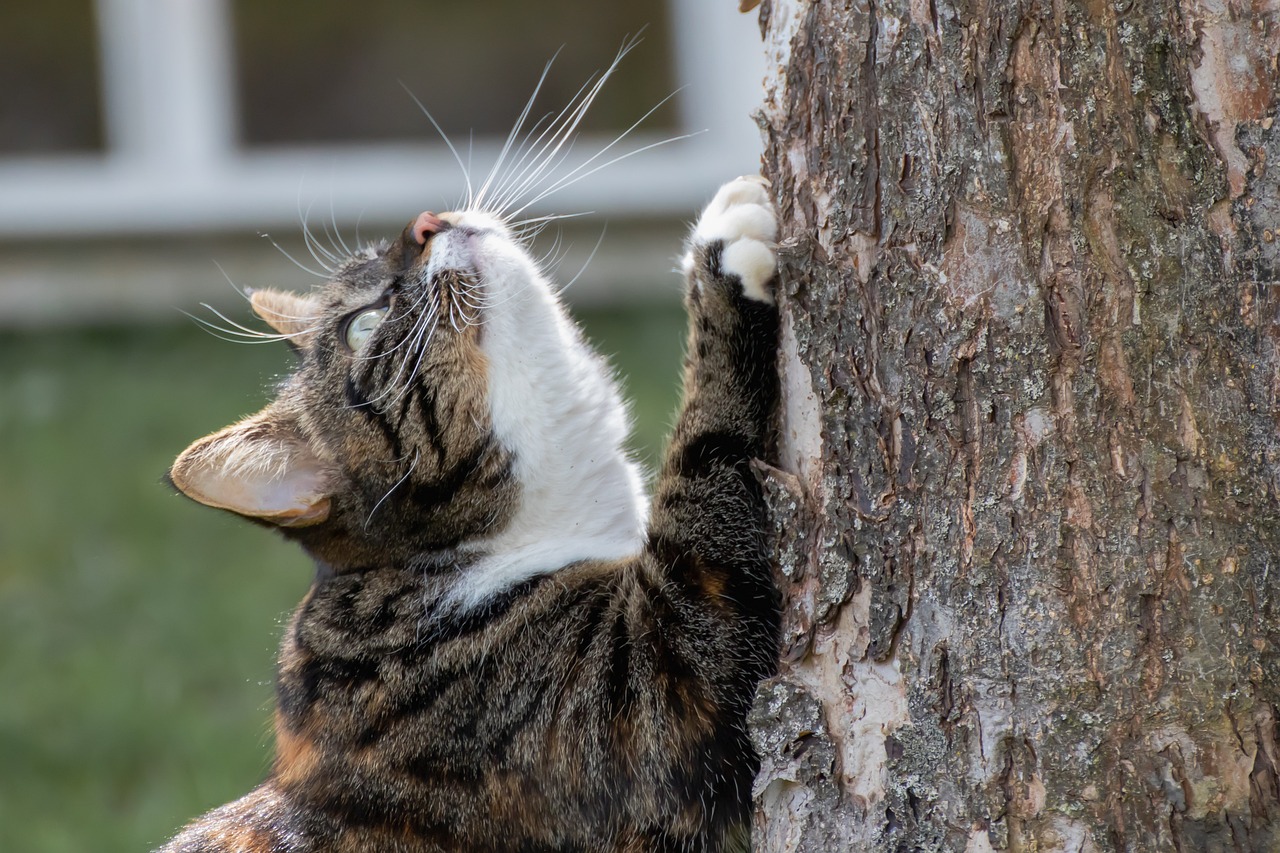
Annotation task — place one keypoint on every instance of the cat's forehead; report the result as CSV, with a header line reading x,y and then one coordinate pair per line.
x,y
370,268
374,261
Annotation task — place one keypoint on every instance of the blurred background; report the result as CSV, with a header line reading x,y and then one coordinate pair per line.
x,y
158,154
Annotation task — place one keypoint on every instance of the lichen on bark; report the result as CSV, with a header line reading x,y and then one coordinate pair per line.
x,y
1029,524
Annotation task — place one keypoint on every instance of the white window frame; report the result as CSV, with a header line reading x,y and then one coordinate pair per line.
x,y
172,164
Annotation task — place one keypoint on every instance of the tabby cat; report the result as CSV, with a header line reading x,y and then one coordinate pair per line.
x,y
506,646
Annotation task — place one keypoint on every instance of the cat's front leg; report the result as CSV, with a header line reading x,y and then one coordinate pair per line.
x,y
707,504
710,616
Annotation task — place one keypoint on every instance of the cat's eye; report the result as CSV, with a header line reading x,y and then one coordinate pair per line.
x,y
361,327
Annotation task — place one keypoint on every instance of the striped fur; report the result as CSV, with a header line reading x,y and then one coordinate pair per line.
x,y
595,705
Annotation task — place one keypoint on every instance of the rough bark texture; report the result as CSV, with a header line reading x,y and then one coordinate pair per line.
x,y
1029,523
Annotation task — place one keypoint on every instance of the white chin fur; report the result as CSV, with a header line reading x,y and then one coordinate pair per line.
x,y
555,406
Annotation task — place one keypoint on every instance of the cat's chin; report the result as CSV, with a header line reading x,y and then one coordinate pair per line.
x,y
455,249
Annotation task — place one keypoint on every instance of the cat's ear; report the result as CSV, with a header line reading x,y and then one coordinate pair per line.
x,y
291,314
261,467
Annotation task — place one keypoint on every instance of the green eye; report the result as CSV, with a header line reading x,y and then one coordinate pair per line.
x,y
362,325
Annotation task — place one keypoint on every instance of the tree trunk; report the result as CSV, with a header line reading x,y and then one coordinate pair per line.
x,y
1028,523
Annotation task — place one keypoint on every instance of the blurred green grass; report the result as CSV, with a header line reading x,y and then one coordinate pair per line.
x,y
138,630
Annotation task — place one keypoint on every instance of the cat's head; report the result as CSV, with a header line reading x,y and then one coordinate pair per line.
x,y
444,405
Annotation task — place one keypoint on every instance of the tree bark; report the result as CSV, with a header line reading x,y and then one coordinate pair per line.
x,y
1027,521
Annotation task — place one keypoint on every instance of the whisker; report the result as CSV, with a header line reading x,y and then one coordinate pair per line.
x,y
334,250
217,332
466,174
551,217
236,333
246,293
421,345
241,291
554,127
412,466
328,260
587,262
550,156
551,257
333,219
407,347
229,335
573,176
416,304
424,326
245,330
471,146
478,201
313,245
294,260
487,301
576,109
568,183
359,220
523,151
464,297
542,154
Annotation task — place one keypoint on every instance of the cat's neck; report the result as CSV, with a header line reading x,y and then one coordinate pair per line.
x,y
582,497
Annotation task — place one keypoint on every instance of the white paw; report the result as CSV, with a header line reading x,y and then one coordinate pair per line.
x,y
742,216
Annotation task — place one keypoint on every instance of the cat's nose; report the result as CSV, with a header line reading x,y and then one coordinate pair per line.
x,y
425,225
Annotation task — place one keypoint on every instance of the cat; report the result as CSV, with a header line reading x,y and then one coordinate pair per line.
x,y
507,646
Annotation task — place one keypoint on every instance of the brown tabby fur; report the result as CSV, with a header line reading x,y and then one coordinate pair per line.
x,y
598,708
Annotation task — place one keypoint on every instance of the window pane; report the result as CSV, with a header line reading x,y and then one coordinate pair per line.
x,y
49,77
315,72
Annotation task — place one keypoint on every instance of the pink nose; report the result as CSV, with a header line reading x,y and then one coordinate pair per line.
x,y
426,224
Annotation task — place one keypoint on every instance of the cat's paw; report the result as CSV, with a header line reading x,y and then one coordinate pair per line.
x,y
740,219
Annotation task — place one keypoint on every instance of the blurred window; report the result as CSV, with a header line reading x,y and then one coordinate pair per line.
x,y
311,71
49,91
170,116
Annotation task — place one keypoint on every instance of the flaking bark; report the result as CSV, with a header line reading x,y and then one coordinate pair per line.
x,y
1028,526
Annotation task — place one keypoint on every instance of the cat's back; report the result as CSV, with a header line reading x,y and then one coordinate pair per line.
x,y
591,697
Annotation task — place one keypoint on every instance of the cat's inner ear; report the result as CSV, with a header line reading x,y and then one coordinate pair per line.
x,y
290,314
261,467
